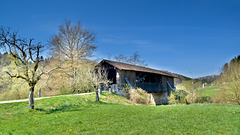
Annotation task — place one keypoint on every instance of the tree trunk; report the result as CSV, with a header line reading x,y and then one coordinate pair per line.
x,y
73,85
73,77
100,91
31,100
97,96
110,90
39,93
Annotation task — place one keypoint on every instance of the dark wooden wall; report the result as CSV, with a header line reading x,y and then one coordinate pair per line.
x,y
131,76
111,72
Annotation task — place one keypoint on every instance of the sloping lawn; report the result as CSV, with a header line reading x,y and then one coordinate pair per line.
x,y
210,91
81,115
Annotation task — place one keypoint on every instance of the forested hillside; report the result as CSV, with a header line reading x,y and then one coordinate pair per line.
x,y
4,60
57,82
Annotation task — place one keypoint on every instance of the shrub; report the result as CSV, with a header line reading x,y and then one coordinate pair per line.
x,y
65,90
191,97
205,99
172,99
126,91
228,95
180,96
140,96
16,89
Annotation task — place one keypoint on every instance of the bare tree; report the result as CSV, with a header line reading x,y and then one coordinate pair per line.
x,y
121,58
72,43
26,55
134,59
231,76
100,78
97,77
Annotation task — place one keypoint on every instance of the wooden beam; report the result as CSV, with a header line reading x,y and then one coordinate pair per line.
x,y
129,84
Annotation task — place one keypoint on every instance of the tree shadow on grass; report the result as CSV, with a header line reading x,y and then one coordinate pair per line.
x,y
71,108
64,108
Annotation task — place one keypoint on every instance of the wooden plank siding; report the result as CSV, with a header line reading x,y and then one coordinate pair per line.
x,y
150,86
153,81
130,75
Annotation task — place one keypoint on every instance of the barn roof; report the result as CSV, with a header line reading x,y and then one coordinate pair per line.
x,y
125,66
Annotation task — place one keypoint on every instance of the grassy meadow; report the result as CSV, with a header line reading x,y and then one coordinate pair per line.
x,y
116,115
210,91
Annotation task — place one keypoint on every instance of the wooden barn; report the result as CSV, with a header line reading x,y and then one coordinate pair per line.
x,y
157,83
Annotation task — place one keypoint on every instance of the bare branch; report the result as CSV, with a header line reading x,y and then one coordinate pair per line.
x,y
17,76
58,66
30,49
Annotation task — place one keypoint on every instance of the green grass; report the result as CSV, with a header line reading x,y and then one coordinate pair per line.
x,y
81,115
210,91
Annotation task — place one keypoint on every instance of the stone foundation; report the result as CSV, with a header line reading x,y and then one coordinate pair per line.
x,y
159,98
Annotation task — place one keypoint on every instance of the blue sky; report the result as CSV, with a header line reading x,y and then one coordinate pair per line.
x,y
190,37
